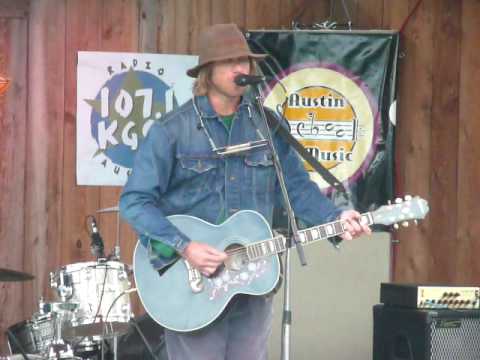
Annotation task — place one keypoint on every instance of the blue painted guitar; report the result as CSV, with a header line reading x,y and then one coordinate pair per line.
x,y
182,299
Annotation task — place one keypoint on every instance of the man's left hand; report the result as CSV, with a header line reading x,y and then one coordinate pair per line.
x,y
353,226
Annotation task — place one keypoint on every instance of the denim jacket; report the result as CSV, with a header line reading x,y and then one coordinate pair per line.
x,y
176,172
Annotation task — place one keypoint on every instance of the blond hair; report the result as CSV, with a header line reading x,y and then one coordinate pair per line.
x,y
202,82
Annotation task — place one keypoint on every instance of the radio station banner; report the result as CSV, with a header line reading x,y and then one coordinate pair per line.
x,y
119,96
337,91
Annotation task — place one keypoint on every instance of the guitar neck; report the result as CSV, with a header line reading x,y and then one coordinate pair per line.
x,y
278,244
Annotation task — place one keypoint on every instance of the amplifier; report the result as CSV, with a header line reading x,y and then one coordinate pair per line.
x,y
401,333
430,296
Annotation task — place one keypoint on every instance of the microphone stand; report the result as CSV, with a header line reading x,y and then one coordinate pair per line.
x,y
287,313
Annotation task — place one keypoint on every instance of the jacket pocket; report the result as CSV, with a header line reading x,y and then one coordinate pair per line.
x,y
260,172
198,165
197,175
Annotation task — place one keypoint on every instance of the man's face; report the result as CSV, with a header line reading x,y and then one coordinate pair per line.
x,y
223,73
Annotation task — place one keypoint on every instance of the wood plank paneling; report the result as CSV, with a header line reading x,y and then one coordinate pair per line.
x,y
202,15
415,259
262,14
84,29
394,14
14,9
149,23
44,146
468,155
444,139
183,26
369,14
13,122
166,39
228,12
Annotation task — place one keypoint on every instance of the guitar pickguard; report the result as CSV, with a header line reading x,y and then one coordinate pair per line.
x,y
227,280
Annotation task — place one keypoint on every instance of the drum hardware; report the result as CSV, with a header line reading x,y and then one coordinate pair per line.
x,y
57,315
91,306
112,331
116,250
98,289
41,335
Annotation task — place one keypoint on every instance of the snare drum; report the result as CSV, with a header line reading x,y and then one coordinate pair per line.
x,y
98,289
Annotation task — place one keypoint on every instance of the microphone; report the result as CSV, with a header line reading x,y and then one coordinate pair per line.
x,y
96,246
244,79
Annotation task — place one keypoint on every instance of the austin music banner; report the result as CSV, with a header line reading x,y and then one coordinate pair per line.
x,y
119,96
337,91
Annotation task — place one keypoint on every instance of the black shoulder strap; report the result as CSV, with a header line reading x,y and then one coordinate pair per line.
x,y
327,175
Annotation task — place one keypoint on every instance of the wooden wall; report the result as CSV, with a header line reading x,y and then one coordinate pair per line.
x,y
42,211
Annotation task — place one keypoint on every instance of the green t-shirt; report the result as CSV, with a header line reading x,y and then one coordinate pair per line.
x,y
227,120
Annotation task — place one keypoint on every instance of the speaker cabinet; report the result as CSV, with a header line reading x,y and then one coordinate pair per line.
x,y
413,334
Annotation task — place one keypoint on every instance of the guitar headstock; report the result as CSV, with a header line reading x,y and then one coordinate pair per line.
x,y
402,211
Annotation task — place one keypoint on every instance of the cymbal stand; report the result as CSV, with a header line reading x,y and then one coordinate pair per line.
x,y
116,250
59,349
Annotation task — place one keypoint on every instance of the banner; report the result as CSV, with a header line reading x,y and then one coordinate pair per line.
x,y
119,96
337,91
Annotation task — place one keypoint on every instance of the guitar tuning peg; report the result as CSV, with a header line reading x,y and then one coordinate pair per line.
x,y
408,197
398,200
395,226
405,223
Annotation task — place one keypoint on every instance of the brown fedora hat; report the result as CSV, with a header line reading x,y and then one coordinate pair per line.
x,y
221,42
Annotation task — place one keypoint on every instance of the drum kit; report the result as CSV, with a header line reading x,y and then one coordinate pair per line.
x,y
91,309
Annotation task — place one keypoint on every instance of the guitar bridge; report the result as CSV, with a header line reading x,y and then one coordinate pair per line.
x,y
194,278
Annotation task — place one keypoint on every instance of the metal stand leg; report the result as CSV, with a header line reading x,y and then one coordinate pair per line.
x,y
115,347
287,312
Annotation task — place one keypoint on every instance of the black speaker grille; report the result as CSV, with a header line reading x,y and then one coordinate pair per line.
x,y
455,339
416,334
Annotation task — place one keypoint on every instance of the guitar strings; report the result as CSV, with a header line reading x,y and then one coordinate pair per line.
x,y
244,250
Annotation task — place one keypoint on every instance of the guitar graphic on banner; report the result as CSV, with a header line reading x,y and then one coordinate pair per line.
x,y
182,299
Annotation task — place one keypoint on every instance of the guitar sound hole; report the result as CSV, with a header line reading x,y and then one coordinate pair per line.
x,y
237,258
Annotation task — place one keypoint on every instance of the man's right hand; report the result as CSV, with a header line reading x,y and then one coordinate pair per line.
x,y
204,257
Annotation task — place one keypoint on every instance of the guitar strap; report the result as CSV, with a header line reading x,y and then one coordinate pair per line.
x,y
276,126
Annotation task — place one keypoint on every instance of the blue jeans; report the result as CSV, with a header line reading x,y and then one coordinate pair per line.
x,y
240,333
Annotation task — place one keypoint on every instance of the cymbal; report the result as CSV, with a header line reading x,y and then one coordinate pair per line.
x,y
12,275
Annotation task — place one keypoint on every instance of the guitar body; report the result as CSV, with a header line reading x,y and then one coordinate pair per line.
x,y
183,300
